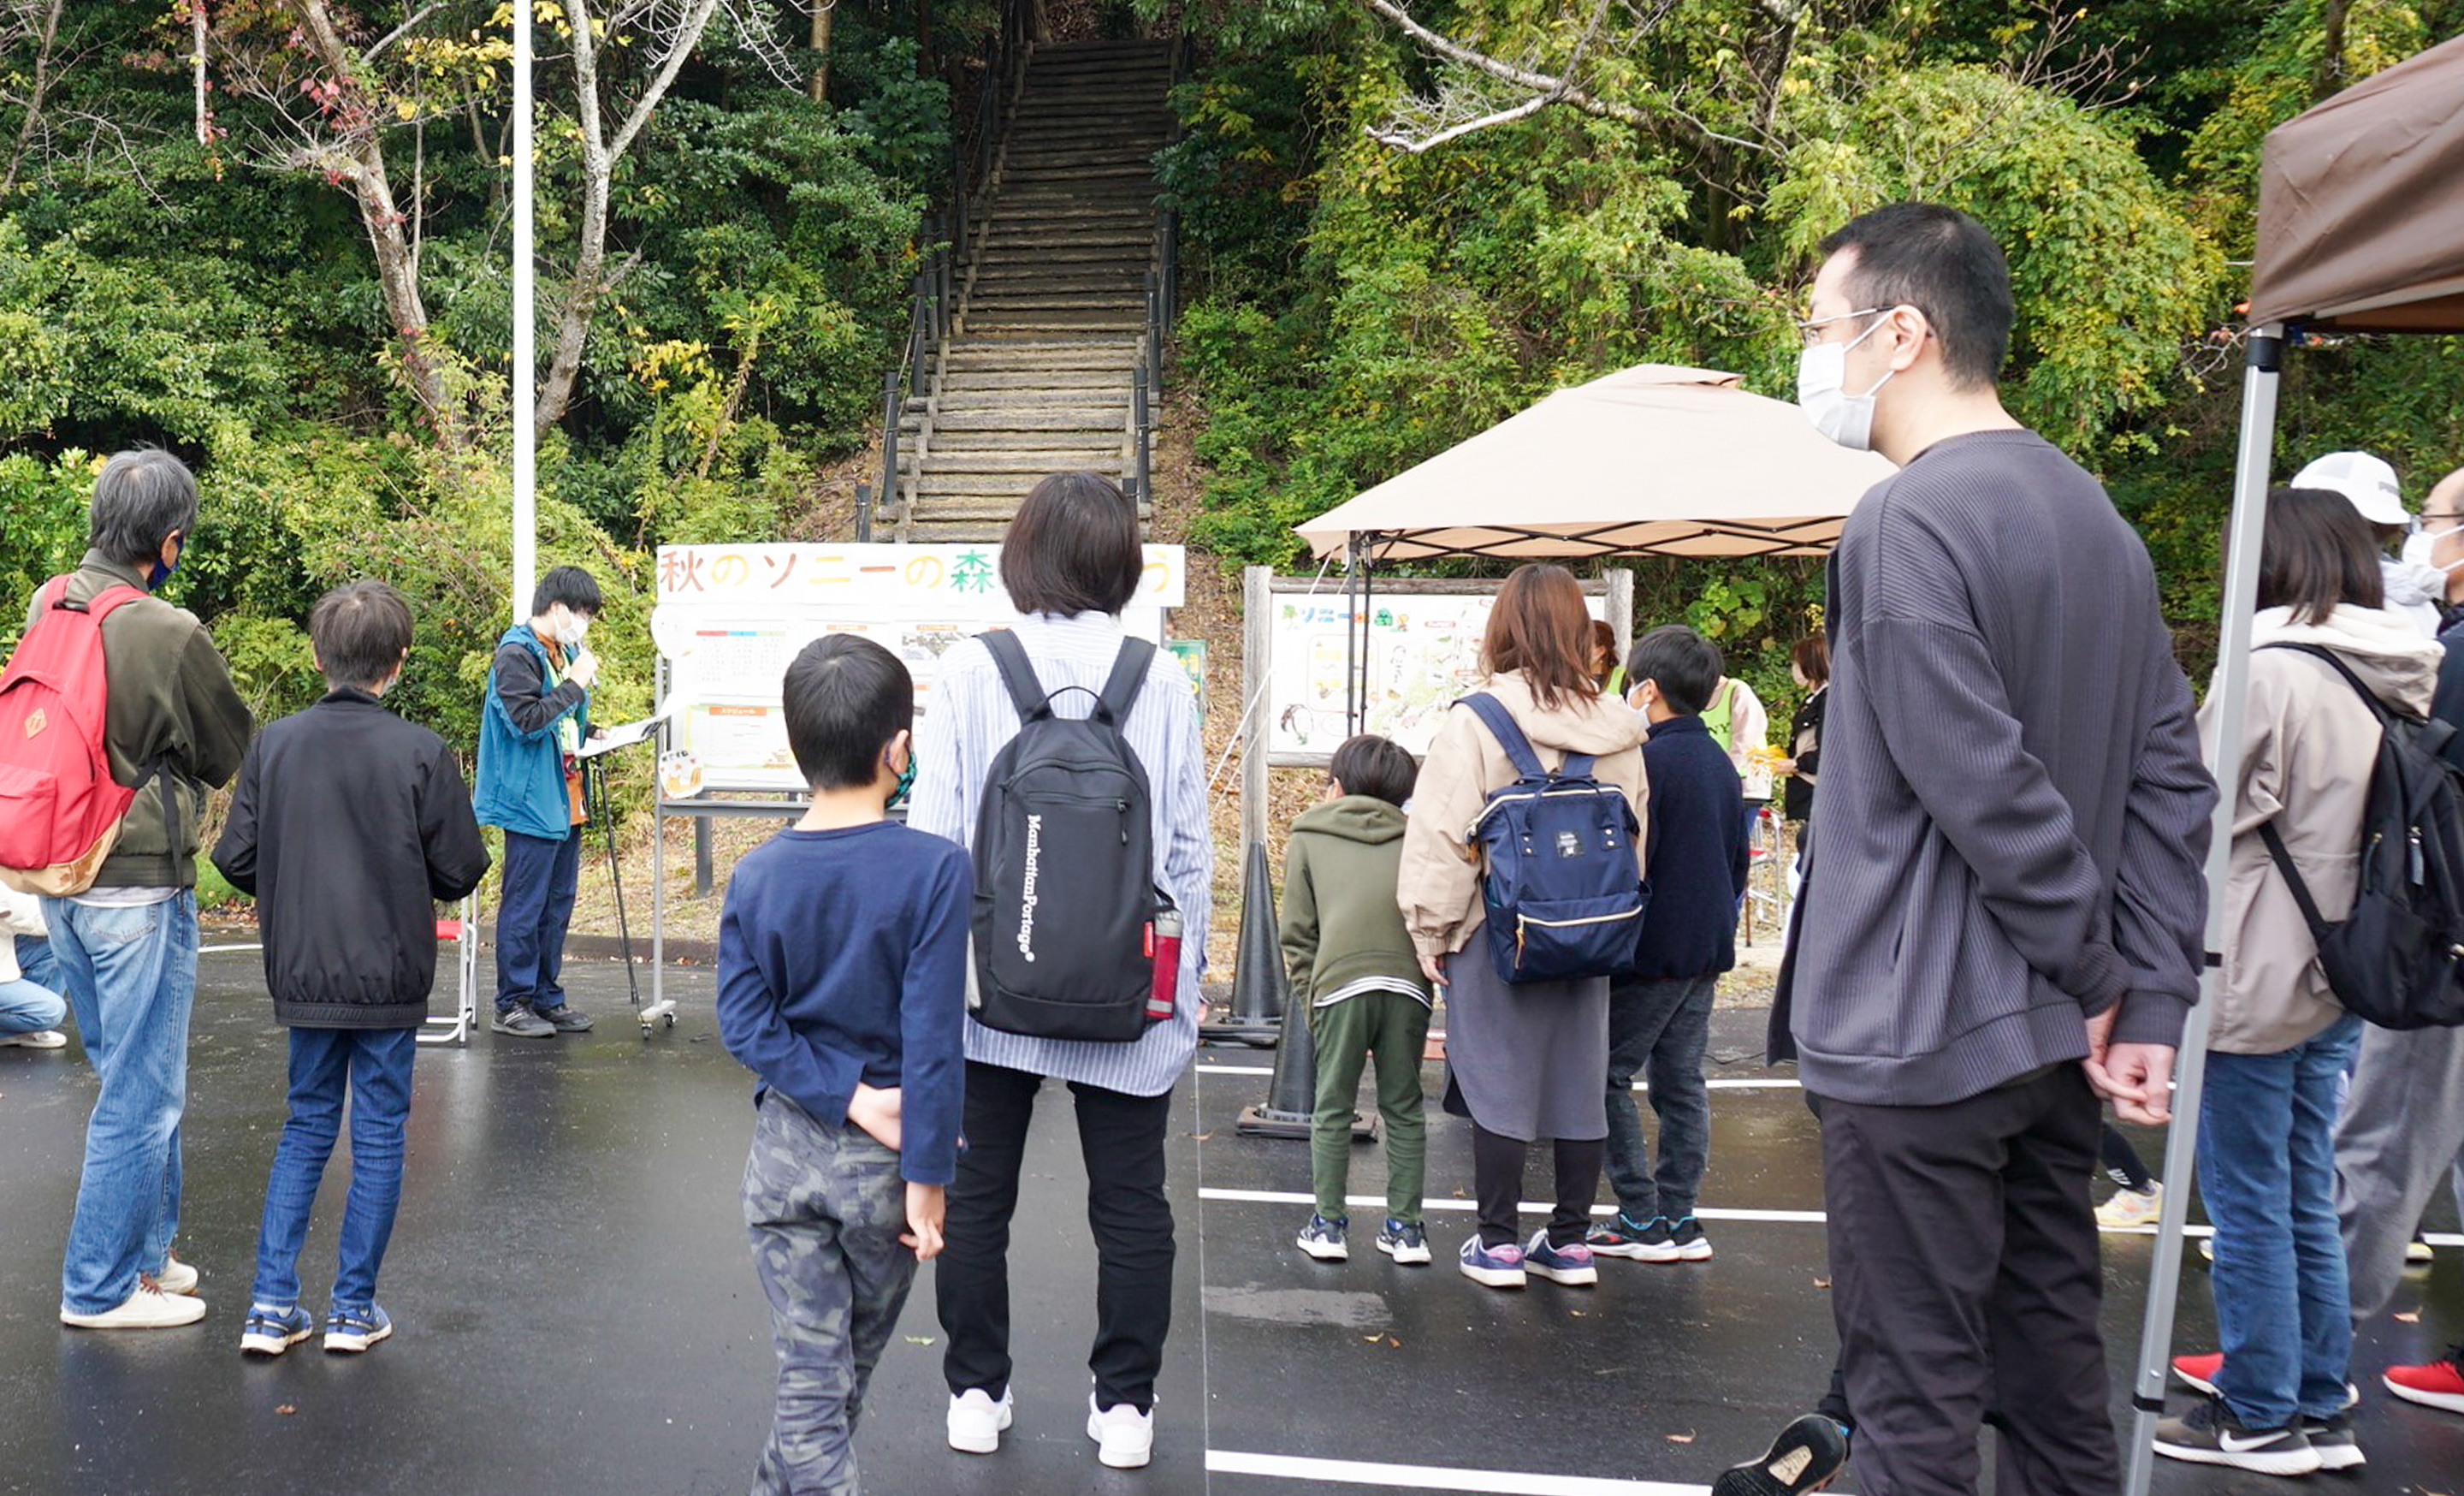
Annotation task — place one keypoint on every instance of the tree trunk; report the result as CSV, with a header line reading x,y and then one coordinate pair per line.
x,y
34,95
2330,77
822,50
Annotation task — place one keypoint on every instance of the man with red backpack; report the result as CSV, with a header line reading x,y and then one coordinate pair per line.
x,y
172,729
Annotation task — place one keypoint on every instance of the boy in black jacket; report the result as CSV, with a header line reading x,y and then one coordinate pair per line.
x,y
346,822
1659,1018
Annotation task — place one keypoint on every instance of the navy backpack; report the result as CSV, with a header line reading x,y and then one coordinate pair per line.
x,y
1558,868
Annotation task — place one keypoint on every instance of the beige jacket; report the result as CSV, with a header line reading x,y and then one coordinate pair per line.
x,y
2308,747
1438,887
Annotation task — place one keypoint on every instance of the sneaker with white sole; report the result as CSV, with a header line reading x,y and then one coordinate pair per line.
x,y
976,1422
36,1038
2129,1208
1637,1240
1570,1264
1686,1235
1491,1266
1322,1238
2433,1384
2333,1438
148,1308
2210,1434
1406,1242
1124,1437
349,1332
176,1276
273,1331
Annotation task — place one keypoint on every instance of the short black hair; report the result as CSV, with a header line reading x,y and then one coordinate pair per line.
x,y
845,697
141,499
571,586
2319,551
360,630
1942,262
1073,548
1376,766
1684,664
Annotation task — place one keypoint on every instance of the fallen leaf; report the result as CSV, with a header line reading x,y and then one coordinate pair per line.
x,y
1373,1339
286,1410
1822,1282
1680,1439
1577,1313
1394,1344
2408,1317
1200,1137
919,1340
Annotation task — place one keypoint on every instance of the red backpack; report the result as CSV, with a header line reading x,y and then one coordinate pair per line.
x,y
61,810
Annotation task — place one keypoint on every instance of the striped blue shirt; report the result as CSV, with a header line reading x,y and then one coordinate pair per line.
x,y
972,718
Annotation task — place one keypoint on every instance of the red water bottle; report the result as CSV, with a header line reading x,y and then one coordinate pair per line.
x,y
1163,944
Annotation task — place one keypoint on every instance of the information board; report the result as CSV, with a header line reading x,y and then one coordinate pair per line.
x,y
729,619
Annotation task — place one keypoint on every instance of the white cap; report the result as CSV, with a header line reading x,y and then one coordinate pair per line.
x,y
2367,481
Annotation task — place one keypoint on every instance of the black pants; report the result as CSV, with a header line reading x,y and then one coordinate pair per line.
x,y
1966,1283
1497,1184
1121,1138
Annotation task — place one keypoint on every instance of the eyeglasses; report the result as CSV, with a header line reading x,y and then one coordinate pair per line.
x,y
1811,327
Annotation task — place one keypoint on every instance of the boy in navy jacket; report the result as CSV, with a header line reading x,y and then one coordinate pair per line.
x,y
1659,1018
841,984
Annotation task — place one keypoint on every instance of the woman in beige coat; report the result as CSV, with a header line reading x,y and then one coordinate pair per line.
x,y
1523,1061
2278,1043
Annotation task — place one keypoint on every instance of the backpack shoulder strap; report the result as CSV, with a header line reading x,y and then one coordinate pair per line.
x,y
2293,879
1018,673
2370,697
1501,726
1128,676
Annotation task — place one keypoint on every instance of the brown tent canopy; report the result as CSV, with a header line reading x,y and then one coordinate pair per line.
x,y
2361,205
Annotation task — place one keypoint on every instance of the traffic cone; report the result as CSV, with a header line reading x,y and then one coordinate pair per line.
x,y
1292,1094
1259,991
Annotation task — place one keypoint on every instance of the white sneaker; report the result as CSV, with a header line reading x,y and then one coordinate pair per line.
x,y
1123,1436
977,1421
36,1038
2129,1208
147,1308
176,1276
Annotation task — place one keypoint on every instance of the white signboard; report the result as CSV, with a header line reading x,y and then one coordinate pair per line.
x,y
729,619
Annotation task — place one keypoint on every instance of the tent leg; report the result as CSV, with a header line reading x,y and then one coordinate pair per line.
x,y
1352,660
2246,526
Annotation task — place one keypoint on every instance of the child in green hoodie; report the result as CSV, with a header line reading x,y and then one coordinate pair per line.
x,y
1348,953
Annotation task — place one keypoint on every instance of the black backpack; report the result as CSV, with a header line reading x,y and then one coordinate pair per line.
x,y
2393,959
1065,864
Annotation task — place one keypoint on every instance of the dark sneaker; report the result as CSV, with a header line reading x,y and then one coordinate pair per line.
x,y
1686,1235
2210,1434
1808,1456
1640,1242
521,1023
1322,1238
1492,1266
564,1019
2333,1438
272,1335
1570,1264
1405,1241
348,1331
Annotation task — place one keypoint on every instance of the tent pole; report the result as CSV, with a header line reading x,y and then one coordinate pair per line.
x,y
2246,526
1367,663
1351,639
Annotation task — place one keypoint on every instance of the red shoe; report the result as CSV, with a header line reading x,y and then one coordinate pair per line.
x,y
2201,1371
2439,1384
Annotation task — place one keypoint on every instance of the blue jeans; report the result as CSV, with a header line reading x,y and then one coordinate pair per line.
x,y
531,916
28,1007
36,964
1658,1030
374,1065
2267,1169
131,976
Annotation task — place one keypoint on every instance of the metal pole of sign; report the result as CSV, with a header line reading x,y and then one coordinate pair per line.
x,y
2248,526
1351,641
1368,612
525,331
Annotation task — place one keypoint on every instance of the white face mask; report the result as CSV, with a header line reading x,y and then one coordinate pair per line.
x,y
2420,544
573,628
1821,378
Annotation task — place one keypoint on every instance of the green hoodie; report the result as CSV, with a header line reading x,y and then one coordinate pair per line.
x,y
1340,921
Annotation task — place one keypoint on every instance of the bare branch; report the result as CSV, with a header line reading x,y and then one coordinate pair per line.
x,y
408,25
1404,142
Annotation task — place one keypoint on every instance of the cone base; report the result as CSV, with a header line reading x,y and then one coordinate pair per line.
x,y
1264,1122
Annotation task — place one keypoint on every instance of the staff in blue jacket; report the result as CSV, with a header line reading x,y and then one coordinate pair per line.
x,y
538,712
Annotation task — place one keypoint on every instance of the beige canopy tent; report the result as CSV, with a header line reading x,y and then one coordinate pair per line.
x,y
1654,459
2360,228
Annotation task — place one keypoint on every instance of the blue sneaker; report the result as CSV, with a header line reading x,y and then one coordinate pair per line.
x,y
1322,1238
1638,1240
1405,1241
348,1331
1570,1264
273,1333
1492,1267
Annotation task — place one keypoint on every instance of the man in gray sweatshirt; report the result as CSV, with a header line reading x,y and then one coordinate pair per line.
x,y
2003,919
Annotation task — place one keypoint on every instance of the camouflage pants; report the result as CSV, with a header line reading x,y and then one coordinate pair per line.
x,y
823,1207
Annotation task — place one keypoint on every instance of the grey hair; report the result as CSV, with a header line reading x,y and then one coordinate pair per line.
x,y
139,497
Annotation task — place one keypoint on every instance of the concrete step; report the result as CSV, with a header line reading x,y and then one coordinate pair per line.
x,y
990,382
988,303
1046,352
1047,421
1125,274
1054,443
950,465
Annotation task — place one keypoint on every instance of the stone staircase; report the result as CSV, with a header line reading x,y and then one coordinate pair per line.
x,y
1051,308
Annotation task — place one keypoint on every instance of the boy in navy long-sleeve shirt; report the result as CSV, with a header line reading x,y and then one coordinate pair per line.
x,y
841,984
1660,1017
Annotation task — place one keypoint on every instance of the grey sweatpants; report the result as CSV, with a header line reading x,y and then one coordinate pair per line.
x,y
823,1206
2402,1132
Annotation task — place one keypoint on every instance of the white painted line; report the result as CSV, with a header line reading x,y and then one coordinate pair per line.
x,y
210,950
1717,1086
1436,1478
1537,1208
2440,1238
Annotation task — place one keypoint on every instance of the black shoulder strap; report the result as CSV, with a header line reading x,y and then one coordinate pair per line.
x,y
2293,879
1018,673
2378,708
1129,675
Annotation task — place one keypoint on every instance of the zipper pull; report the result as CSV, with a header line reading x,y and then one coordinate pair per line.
x,y
2418,871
